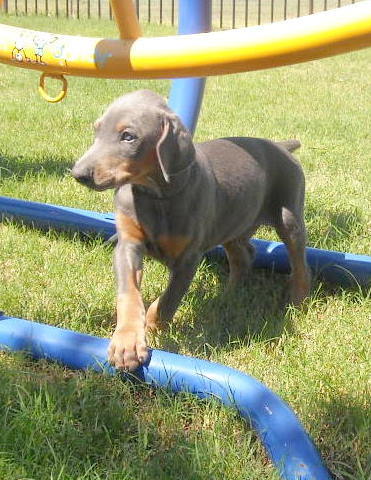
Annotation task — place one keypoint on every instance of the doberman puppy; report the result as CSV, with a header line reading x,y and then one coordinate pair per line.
x,y
175,200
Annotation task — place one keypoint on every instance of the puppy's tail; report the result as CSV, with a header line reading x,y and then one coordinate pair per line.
x,y
290,145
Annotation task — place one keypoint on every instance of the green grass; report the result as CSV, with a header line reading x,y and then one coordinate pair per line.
x,y
63,425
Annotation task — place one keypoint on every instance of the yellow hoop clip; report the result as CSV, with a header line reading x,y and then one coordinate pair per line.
x,y
43,92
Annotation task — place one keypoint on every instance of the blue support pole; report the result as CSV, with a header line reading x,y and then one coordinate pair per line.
x,y
288,445
344,269
186,93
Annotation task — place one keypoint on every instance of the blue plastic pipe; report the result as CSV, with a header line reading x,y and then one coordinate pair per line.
x,y
288,445
345,269
186,93
46,216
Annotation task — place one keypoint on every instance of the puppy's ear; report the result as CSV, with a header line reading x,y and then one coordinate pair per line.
x,y
165,148
175,148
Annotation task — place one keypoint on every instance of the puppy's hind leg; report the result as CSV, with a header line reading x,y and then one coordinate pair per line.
x,y
240,254
291,229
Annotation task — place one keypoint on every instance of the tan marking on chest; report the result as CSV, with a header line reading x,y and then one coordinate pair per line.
x,y
173,245
129,229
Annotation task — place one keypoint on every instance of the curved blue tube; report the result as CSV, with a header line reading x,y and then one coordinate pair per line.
x,y
186,93
287,443
345,269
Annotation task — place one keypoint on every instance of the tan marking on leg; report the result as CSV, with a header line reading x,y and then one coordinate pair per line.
x,y
129,303
292,232
153,321
173,245
128,346
240,255
300,278
129,308
129,229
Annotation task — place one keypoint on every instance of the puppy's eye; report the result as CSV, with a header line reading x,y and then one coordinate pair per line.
x,y
127,137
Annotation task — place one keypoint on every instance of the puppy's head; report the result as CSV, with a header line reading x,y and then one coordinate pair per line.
x,y
137,140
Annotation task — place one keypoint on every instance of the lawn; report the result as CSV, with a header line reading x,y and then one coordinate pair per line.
x,y
58,424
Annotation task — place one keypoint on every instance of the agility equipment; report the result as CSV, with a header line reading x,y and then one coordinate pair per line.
x,y
240,50
344,269
286,442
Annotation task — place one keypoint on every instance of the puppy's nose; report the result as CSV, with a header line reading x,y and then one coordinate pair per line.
x,y
82,175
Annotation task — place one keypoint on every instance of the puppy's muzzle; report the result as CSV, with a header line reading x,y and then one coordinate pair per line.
x,y
83,175
86,177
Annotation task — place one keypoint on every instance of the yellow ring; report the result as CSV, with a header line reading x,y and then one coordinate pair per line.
x,y
43,92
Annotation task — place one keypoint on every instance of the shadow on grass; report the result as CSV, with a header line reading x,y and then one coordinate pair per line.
x,y
221,318
63,424
344,423
21,167
258,310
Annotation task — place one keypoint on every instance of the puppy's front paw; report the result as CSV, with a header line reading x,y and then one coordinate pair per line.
x,y
128,348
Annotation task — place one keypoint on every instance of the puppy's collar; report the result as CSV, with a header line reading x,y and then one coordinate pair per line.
x,y
161,193
182,170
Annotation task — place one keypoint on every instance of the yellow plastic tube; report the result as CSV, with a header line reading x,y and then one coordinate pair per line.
x,y
293,41
126,19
